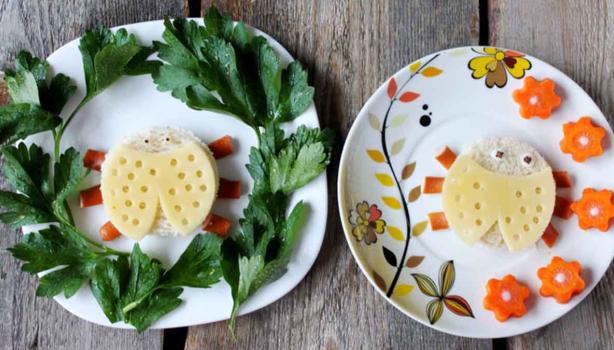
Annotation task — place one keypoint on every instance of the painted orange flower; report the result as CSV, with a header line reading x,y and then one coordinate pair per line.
x,y
594,209
582,139
367,222
494,64
506,297
536,98
560,279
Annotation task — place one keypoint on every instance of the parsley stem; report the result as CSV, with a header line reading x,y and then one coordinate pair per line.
x,y
57,136
105,249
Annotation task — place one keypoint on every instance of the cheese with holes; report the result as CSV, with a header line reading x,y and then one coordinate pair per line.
x,y
135,184
475,199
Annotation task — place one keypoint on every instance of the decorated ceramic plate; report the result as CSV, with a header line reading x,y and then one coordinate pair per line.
x,y
470,165
134,104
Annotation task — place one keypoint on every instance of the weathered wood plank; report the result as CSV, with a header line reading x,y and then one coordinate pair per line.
x,y
350,48
577,38
41,27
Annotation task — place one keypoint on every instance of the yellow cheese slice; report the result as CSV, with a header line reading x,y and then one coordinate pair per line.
x,y
134,183
475,199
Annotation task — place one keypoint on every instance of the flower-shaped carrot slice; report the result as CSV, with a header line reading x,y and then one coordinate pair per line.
x,y
506,297
561,280
594,209
536,98
582,139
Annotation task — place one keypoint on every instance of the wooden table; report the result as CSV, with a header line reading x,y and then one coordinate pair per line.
x,y
350,47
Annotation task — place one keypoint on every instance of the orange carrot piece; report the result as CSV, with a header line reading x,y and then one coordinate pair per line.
x,y
93,159
561,280
561,178
562,208
217,224
438,221
536,98
432,184
222,147
446,157
582,139
594,209
505,297
229,189
550,235
108,232
90,197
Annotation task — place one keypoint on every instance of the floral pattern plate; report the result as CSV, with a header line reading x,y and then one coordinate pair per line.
x,y
452,98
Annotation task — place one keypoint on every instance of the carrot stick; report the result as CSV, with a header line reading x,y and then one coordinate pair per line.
x,y
93,159
562,208
222,147
229,189
561,178
108,232
438,221
446,157
90,197
432,184
550,235
217,224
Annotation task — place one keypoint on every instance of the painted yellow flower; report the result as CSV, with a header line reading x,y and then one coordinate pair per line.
x,y
366,222
494,64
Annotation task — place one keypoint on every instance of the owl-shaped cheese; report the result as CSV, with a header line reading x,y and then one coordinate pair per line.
x,y
161,180
499,187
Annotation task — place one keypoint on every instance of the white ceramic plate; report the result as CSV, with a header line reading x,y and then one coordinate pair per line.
x,y
132,104
439,90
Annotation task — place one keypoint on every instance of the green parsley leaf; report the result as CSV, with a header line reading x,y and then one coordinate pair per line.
x,y
156,305
68,174
68,280
198,266
110,277
17,121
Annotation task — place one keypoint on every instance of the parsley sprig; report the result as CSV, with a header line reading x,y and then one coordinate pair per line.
x,y
222,67
129,287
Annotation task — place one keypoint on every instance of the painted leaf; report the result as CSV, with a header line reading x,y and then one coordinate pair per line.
x,y
447,274
392,202
458,305
408,170
402,290
392,88
384,179
395,233
390,257
376,155
419,228
430,72
414,194
425,284
397,146
434,310
398,120
408,96
379,281
374,121
413,68
414,261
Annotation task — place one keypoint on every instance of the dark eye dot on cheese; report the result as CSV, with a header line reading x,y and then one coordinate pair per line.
x,y
425,120
527,159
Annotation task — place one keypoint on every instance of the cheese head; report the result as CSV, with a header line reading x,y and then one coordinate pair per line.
x,y
161,180
483,193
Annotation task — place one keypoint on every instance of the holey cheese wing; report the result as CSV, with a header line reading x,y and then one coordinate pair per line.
x,y
475,199
135,184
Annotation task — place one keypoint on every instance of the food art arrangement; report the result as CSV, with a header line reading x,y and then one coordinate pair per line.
x,y
472,189
160,181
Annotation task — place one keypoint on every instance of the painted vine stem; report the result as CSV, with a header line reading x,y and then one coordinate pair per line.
x,y
397,93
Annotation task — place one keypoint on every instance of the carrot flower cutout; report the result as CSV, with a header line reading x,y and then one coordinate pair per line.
x,y
582,139
536,98
594,209
560,280
506,297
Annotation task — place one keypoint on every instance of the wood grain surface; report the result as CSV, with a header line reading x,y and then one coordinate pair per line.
x,y
349,47
28,322
577,37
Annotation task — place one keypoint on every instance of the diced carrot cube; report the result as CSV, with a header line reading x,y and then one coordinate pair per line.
x,y
222,147
438,221
562,208
550,235
446,158
229,189
108,232
93,159
432,184
561,178
217,224
90,197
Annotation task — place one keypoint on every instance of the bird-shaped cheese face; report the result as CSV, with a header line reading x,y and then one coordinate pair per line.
x,y
518,200
139,184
